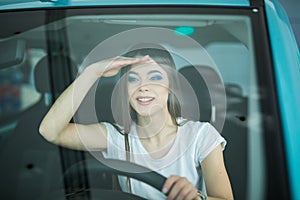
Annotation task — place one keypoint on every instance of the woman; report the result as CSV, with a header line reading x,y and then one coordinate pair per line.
x,y
149,131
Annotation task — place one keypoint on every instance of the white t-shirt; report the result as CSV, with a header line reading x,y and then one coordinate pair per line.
x,y
193,142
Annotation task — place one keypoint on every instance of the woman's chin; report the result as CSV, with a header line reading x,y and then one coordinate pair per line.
x,y
152,112
144,114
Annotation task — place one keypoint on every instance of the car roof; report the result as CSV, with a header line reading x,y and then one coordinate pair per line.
x,y
21,4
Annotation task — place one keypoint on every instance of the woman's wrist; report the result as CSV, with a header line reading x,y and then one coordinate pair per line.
x,y
91,71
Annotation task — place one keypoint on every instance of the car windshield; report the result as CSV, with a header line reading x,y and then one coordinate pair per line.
x,y
215,52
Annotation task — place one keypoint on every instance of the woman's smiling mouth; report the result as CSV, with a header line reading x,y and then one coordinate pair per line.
x,y
142,100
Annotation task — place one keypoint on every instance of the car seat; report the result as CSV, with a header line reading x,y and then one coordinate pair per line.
x,y
207,85
96,106
31,166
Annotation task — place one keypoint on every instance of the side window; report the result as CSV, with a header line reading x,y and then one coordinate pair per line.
x,y
233,61
17,91
242,128
27,160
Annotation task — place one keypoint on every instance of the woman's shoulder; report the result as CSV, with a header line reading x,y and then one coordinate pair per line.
x,y
198,130
186,123
113,128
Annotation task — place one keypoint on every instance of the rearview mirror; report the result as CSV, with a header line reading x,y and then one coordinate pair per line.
x,y
12,53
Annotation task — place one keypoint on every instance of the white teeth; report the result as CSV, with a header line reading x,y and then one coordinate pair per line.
x,y
144,99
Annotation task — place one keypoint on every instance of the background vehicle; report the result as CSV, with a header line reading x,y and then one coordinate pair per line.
x,y
248,48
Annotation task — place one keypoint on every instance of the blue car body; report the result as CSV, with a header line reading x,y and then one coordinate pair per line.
x,y
287,69
285,55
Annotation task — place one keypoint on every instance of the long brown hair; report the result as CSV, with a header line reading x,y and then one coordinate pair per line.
x,y
125,114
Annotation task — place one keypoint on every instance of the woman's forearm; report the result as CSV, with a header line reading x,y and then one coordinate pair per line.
x,y
59,116
62,111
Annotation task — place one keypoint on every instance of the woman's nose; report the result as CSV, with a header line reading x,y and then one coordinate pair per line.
x,y
143,87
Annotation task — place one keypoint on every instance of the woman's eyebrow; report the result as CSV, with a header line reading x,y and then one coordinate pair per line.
x,y
148,73
132,72
154,71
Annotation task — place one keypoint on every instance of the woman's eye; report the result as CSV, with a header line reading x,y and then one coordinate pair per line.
x,y
156,76
132,78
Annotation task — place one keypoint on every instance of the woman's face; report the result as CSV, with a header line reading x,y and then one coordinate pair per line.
x,y
148,88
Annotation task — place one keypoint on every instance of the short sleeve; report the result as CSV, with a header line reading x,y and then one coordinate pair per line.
x,y
115,143
208,138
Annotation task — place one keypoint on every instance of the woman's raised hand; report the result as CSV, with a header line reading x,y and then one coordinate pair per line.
x,y
110,67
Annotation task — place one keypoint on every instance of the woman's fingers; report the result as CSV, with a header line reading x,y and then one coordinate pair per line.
x,y
120,61
112,66
179,188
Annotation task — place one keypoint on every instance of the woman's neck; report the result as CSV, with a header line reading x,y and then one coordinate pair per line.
x,y
157,134
154,126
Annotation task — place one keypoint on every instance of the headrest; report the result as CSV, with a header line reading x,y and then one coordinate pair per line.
x,y
96,105
62,69
209,90
234,90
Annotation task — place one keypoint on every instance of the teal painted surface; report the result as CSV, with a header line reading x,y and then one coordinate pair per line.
x,y
184,31
287,70
64,3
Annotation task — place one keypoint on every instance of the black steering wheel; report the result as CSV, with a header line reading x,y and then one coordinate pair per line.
x,y
112,166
